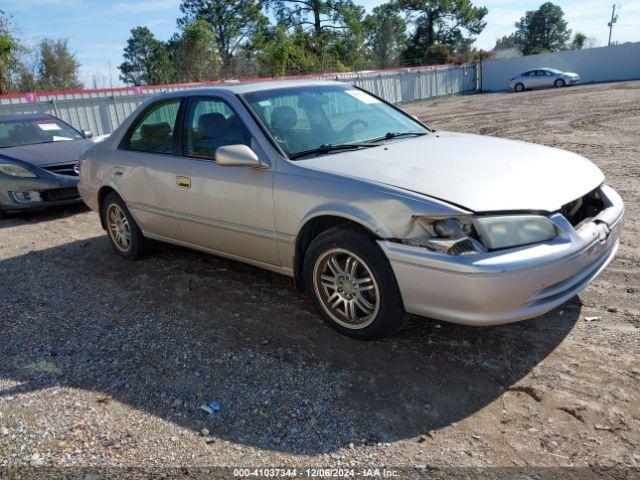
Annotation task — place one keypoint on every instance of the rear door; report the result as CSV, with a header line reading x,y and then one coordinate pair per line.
x,y
527,79
226,209
142,168
536,79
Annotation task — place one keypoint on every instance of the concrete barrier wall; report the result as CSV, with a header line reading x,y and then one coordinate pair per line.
x,y
603,64
102,110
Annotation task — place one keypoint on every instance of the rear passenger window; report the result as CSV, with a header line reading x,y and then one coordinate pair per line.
x,y
154,130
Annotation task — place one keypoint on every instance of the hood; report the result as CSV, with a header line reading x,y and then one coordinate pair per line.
x,y
44,154
481,174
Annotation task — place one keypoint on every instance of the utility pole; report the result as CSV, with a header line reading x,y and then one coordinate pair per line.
x,y
614,19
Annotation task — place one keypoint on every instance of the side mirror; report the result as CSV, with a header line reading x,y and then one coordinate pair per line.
x,y
237,156
87,133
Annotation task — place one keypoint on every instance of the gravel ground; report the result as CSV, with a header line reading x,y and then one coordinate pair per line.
x,y
107,363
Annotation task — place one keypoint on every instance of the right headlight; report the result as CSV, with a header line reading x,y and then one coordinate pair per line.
x,y
513,230
16,170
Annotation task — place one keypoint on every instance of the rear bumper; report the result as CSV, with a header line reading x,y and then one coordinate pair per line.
x,y
510,285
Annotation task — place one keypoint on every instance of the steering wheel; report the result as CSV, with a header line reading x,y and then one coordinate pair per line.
x,y
348,129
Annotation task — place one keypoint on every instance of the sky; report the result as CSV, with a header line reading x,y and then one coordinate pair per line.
x,y
97,30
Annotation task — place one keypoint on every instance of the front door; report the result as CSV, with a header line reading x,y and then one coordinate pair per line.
x,y
226,209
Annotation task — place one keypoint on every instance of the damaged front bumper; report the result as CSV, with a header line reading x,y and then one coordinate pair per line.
x,y
509,285
48,189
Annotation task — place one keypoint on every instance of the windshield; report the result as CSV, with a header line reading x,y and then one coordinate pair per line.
x,y
303,119
14,133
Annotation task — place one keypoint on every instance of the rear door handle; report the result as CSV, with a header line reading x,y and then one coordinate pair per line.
x,y
118,171
183,182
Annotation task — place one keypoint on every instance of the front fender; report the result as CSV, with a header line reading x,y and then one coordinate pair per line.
x,y
301,195
350,212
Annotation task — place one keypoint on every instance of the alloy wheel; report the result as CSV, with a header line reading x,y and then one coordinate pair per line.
x,y
347,290
119,228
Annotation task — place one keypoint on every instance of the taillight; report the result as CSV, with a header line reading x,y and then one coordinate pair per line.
x,y
512,79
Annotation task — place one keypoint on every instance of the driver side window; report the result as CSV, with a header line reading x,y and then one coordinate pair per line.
x,y
212,123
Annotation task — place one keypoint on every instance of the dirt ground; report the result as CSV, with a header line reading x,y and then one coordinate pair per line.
x,y
106,363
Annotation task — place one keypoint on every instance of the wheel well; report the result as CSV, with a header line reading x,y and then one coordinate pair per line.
x,y
311,230
102,193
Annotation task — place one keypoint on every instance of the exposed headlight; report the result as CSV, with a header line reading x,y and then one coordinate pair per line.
x,y
468,235
513,230
16,171
450,236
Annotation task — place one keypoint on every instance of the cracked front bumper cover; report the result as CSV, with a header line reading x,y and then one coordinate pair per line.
x,y
510,285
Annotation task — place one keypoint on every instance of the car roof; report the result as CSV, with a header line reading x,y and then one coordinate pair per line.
x,y
25,116
247,87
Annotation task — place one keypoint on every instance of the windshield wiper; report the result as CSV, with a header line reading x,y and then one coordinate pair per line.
x,y
331,147
390,135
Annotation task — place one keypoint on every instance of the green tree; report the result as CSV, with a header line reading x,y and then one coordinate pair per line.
x,y
542,30
58,67
335,29
9,49
386,35
235,23
315,16
193,52
437,54
281,52
347,39
506,42
580,41
146,60
443,22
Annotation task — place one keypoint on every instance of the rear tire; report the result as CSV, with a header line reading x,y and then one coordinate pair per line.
x,y
124,234
519,87
559,83
351,284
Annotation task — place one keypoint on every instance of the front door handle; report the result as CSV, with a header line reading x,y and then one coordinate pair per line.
x,y
183,182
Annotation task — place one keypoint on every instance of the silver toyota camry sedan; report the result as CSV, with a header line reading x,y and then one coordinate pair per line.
x,y
373,214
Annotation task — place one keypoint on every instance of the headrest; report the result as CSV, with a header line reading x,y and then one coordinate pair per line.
x,y
283,118
311,101
155,130
212,125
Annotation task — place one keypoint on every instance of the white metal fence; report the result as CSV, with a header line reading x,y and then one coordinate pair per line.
x,y
102,110
603,64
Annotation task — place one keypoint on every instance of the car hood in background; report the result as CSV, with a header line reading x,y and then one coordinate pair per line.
x,y
52,153
479,173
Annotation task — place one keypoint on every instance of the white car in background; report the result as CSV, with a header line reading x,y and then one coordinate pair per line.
x,y
542,78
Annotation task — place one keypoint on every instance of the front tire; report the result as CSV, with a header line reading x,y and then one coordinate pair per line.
x,y
559,83
124,234
351,284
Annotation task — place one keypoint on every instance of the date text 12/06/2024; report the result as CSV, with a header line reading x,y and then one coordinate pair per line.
x,y
372,472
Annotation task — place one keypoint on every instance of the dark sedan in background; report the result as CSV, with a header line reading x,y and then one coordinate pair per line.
x,y
38,162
